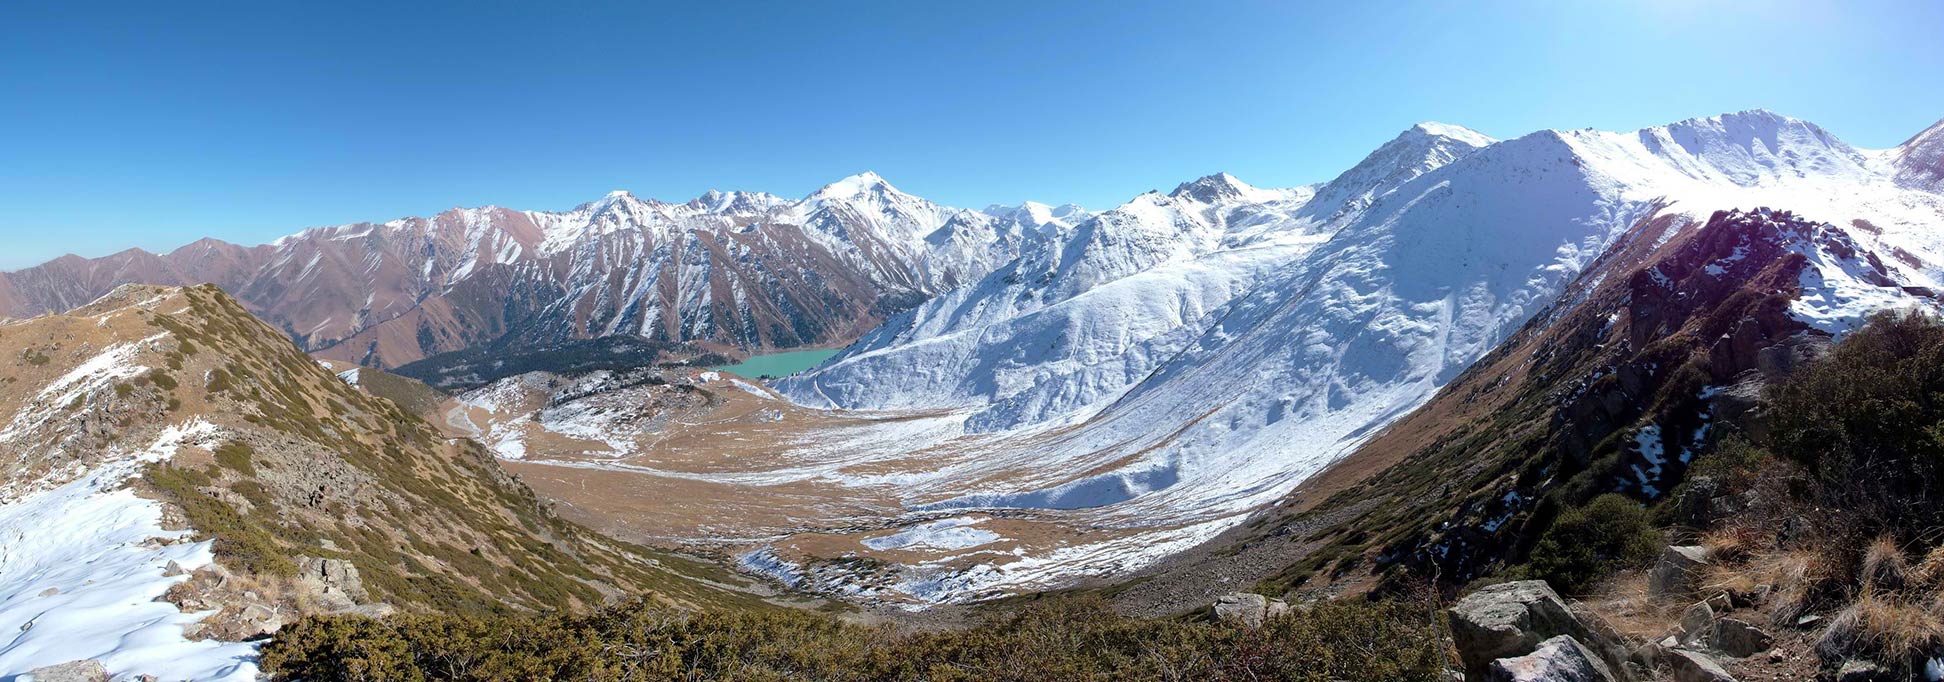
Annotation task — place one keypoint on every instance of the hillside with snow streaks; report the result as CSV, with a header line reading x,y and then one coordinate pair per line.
x,y
741,271
1413,283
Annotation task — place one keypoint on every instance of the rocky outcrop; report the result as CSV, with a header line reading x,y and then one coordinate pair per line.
x,y
1738,638
71,671
253,607
1513,619
1560,659
1246,609
1694,666
1856,670
1696,621
336,580
1675,573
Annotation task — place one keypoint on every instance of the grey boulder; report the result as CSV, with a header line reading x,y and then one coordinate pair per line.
x,y
1694,666
1674,574
71,671
1513,619
1241,609
1738,638
1560,659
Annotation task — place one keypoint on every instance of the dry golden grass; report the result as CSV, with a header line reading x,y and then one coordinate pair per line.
x,y
1794,575
1885,569
1624,602
1730,544
1882,628
1929,571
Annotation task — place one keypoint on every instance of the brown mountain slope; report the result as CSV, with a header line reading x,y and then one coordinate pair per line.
x,y
282,463
736,273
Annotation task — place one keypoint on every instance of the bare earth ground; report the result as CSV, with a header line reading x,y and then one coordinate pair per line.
x,y
715,464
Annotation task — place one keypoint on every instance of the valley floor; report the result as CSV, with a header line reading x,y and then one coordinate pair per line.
x,y
855,504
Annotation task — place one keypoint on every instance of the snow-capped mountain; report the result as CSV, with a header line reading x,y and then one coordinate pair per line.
x,y
1201,380
1152,373
737,270
1076,323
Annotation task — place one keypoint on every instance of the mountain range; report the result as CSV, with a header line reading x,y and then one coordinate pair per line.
x,y
1186,359
736,272
1413,354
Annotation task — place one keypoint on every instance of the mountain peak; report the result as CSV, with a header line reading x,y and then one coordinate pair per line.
x,y
1757,119
1039,215
609,201
1223,188
715,201
1449,131
855,185
1210,189
1932,135
1420,149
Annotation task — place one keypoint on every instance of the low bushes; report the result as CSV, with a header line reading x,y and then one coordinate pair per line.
x,y
1588,543
1867,421
1058,639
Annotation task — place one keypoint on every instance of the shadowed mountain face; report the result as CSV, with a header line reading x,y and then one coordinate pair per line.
x,y
736,272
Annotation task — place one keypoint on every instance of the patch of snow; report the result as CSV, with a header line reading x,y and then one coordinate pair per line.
x,y
81,576
750,388
1648,443
765,562
945,534
112,364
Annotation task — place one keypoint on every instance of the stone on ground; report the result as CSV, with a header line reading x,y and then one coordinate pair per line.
x,y
1676,571
1560,659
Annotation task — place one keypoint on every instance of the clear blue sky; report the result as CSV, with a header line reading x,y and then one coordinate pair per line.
x,y
154,123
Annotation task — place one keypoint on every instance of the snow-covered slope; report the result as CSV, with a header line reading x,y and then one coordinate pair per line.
x,y
1438,271
1412,283
92,589
1067,327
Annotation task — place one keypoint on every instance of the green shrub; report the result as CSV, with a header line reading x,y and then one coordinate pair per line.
x,y
341,648
1057,639
219,380
1867,420
239,541
162,380
237,455
1588,543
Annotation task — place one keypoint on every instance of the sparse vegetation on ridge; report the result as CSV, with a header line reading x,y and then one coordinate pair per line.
x,y
308,466
1057,639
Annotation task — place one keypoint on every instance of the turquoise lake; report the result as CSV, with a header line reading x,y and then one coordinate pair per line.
x,y
779,364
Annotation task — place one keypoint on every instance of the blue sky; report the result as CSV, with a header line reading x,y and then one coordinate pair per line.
x,y
152,124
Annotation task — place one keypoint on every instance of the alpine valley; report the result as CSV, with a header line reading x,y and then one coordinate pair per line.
x,y
1398,379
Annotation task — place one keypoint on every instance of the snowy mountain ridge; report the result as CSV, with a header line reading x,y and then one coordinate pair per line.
x,y
1211,377
1156,271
